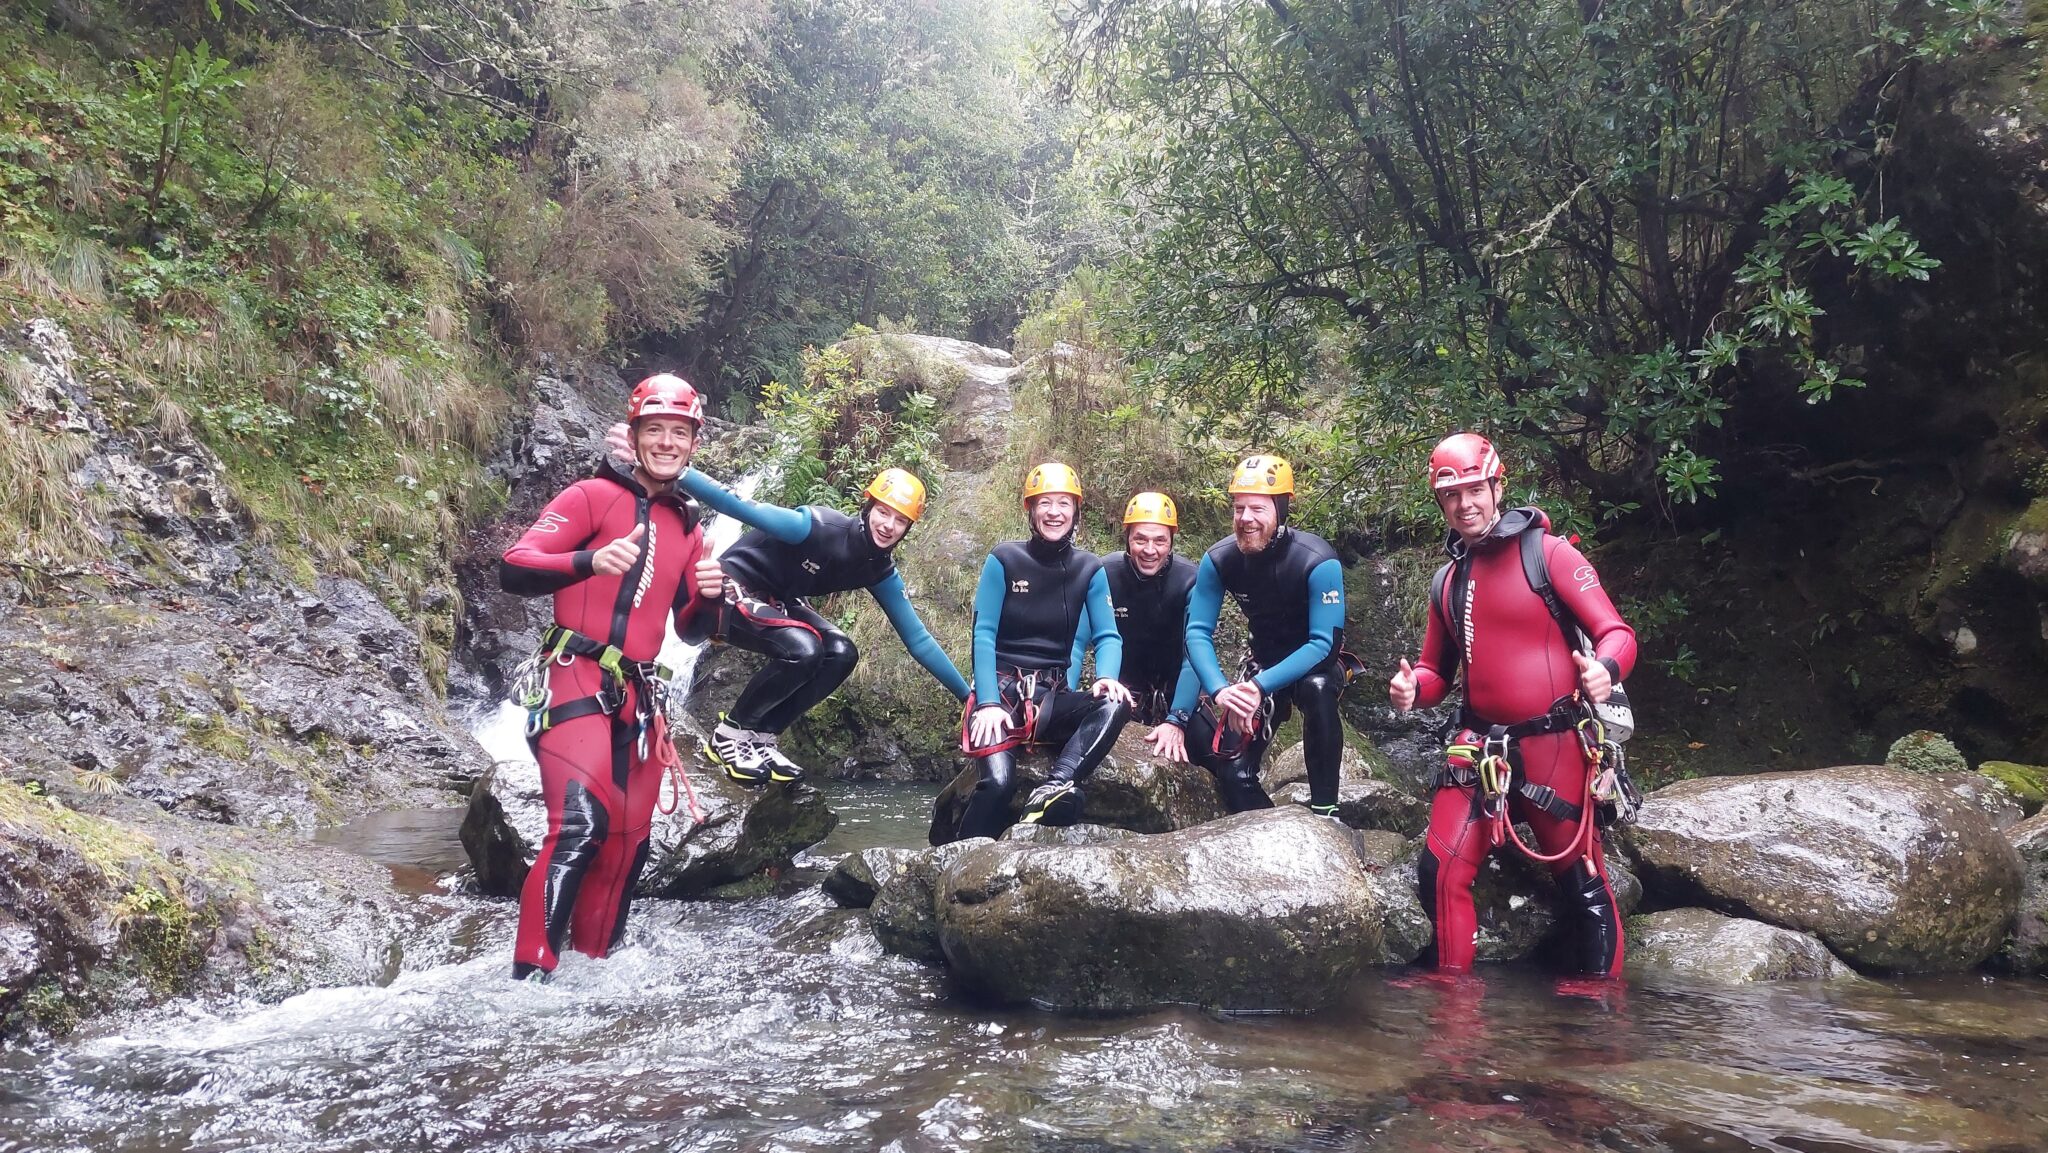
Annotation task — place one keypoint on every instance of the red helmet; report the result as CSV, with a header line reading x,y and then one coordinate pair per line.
x,y
1462,458
665,394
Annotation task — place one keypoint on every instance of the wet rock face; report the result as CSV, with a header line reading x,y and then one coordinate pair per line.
x,y
1262,910
1131,789
1892,870
1987,795
1366,799
744,831
199,677
854,881
2026,951
1702,945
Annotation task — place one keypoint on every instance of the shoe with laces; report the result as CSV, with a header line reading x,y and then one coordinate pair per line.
x,y
734,749
780,768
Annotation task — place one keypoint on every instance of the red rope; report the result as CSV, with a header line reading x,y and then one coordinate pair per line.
x,y
672,767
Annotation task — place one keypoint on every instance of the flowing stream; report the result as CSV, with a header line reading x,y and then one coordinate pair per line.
x,y
776,1024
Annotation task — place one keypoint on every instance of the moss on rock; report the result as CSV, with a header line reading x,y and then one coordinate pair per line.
x,y
1925,751
2028,783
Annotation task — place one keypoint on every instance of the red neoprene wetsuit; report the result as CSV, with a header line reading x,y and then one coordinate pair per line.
x,y
598,774
1516,664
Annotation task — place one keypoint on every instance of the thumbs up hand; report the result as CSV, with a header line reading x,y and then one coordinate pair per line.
x,y
620,555
1595,682
1401,688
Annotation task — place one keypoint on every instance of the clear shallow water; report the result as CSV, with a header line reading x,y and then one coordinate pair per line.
x,y
777,1024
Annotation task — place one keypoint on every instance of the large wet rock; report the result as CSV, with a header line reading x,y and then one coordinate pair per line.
x,y
1892,870
2026,951
1131,789
744,831
1261,910
1364,799
904,916
1702,945
127,906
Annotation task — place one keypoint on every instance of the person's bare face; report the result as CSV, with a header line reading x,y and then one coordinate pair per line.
x,y
664,445
1052,515
886,526
1254,520
1150,547
1470,509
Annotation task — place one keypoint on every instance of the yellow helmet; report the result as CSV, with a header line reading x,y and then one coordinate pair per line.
x,y
1263,476
1052,477
898,489
1152,508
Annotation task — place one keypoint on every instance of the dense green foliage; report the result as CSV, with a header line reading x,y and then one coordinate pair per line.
x,y
860,406
1588,227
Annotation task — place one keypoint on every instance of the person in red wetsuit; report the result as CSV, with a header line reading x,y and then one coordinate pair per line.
x,y
1526,687
621,552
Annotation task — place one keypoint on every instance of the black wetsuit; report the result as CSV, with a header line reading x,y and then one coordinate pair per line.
x,y
1292,596
1033,597
789,556
1152,618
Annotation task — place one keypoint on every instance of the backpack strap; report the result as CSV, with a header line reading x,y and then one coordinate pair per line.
x,y
1447,600
1536,570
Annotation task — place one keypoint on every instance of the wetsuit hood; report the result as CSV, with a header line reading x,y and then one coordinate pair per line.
x,y
1512,523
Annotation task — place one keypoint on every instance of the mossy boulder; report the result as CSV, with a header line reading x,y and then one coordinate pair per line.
x,y
1925,751
1365,798
2027,783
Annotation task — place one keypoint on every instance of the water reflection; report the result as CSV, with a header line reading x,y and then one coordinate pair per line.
x,y
777,1024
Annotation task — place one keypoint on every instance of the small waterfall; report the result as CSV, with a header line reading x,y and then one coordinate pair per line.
x,y
502,732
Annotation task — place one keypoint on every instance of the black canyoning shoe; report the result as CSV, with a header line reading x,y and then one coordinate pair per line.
x,y
1053,803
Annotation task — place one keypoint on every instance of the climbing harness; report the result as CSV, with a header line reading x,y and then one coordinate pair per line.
x,y
1229,742
533,691
1020,699
1487,764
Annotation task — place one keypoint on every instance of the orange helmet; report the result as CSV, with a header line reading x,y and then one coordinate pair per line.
x,y
898,489
1263,476
1152,508
1052,477
666,394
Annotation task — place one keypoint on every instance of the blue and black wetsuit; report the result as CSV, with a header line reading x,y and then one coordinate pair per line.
x,y
1152,619
1292,596
791,554
1035,596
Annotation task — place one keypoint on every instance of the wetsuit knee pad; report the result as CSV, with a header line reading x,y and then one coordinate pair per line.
x,y
1589,901
837,649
